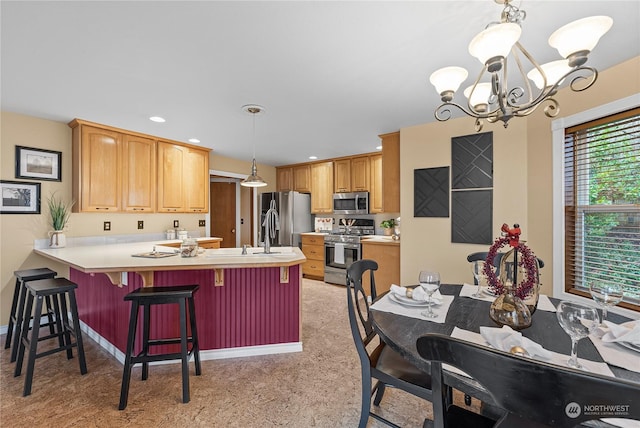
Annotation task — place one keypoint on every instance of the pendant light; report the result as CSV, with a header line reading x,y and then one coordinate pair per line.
x,y
253,180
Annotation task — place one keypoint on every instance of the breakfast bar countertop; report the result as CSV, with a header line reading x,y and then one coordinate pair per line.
x,y
119,258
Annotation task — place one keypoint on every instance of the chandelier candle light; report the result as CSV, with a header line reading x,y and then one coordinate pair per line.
x,y
494,100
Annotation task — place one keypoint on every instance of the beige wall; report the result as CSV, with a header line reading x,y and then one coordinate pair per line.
x,y
18,232
522,180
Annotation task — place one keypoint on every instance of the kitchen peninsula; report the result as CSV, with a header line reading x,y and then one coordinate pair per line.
x,y
246,305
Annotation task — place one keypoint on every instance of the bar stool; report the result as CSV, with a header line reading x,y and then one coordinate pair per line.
x,y
17,306
148,296
58,289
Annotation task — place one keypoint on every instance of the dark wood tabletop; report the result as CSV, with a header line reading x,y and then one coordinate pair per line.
x,y
401,332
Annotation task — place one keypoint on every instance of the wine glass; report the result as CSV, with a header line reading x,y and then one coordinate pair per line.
x,y
606,294
429,282
476,268
578,321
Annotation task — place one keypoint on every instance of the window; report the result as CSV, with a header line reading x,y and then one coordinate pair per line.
x,y
602,204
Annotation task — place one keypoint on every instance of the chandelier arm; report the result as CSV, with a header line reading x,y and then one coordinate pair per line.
x,y
521,69
443,111
588,80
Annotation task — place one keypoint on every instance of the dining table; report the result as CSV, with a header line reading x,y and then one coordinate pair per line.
x,y
400,332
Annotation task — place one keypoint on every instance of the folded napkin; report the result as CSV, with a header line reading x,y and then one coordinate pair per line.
x,y
505,338
628,332
417,294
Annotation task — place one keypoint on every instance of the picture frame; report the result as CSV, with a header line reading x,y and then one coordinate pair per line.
x,y
38,164
19,197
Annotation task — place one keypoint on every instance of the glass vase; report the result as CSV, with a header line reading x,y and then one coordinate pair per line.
x,y
509,310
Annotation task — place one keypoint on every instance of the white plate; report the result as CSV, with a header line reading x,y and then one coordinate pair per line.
x,y
410,302
629,346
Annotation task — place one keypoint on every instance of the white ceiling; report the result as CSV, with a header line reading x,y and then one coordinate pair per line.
x,y
331,75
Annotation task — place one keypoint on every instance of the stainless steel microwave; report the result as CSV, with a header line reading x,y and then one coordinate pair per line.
x,y
351,203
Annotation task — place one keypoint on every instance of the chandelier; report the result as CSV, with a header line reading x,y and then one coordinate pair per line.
x,y
253,180
490,98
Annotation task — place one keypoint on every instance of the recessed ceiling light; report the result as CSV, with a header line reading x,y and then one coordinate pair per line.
x,y
313,157
157,119
194,140
379,148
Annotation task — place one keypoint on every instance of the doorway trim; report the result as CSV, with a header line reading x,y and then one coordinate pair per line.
x,y
254,197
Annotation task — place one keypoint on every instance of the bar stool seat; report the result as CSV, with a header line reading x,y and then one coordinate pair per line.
x,y
17,306
59,289
147,297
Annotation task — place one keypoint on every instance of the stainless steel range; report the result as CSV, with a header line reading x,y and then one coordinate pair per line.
x,y
342,247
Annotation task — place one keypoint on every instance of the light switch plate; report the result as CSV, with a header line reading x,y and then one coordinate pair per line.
x,y
140,224
176,223
202,223
107,225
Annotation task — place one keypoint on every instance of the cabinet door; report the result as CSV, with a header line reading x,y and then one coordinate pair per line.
x,y
342,175
196,180
171,161
302,178
375,184
322,187
139,174
100,169
284,179
360,174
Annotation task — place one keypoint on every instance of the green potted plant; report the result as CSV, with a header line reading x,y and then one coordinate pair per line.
x,y
59,213
388,226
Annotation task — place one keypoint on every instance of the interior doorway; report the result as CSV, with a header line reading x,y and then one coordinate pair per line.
x,y
231,210
223,211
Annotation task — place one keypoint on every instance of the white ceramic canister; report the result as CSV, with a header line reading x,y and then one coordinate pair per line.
x,y
171,234
183,234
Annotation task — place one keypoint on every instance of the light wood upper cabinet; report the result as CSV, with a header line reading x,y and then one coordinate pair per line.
x,y
322,188
183,178
360,174
139,174
391,171
375,184
196,180
171,161
342,175
302,178
96,169
284,179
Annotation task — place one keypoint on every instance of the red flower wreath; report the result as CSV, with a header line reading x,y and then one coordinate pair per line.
x,y
527,259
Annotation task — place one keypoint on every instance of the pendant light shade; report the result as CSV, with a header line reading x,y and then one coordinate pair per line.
x,y
479,99
553,71
494,42
578,38
253,180
447,80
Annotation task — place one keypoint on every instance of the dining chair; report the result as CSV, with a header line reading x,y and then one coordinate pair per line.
x,y
530,393
383,364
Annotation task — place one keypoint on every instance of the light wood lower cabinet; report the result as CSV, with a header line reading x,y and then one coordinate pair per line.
x,y
313,250
202,243
387,255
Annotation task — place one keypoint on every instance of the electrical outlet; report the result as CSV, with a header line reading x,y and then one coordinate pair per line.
x,y
176,223
202,223
140,224
107,225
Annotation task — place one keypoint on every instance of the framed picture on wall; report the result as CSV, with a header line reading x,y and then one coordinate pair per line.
x,y
38,164
19,197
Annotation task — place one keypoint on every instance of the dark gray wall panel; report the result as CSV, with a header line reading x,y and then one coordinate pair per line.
x,y
472,161
431,192
471,216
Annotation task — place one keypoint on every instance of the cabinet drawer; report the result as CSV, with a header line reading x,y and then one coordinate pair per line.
x,y
313,268
312,239
313,252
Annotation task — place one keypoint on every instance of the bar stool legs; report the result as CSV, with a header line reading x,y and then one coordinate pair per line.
x,y
147,297
58,289
17,306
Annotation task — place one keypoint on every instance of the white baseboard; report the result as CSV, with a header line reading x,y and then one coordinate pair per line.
x,y
212,354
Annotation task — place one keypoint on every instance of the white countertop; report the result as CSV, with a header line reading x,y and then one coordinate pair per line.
x,y
118,258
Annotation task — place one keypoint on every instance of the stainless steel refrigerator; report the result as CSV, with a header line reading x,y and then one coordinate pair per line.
x,y
294,215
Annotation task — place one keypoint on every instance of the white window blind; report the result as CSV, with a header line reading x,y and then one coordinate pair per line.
x,y
602,204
